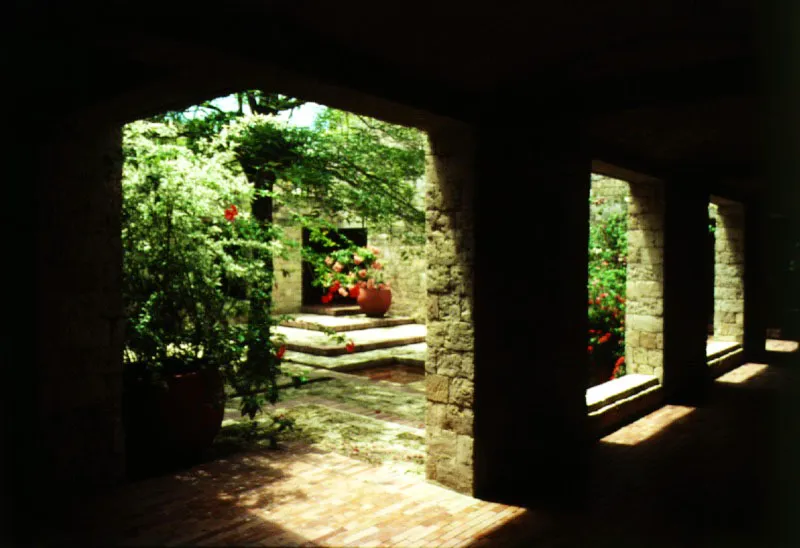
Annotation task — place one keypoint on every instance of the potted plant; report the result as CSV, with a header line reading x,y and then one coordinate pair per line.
x,y
359,274
183,252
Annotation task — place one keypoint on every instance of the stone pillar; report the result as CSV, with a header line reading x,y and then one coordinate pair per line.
x,y
79,329
687,290
531,363
287,293
729,271
449,367
644,316
756,298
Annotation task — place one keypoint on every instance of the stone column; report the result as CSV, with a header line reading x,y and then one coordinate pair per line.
x,y
287,293
687,288
729,272
531,264
755,288
644,317
450,363
79,329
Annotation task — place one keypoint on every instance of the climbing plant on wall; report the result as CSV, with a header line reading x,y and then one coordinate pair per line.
x,y
608,243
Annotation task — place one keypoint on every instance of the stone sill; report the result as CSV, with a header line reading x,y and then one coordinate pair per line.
x,y
616,403
724,361
615,390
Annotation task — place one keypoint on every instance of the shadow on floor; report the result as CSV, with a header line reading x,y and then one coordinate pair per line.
x,y
723,474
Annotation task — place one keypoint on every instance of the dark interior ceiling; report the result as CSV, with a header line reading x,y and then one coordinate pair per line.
x,y
666,87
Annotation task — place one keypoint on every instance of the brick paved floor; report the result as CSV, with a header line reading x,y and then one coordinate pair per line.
x,y
680,476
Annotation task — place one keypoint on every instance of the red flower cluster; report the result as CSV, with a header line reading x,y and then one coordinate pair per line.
x,y
331,290
231,213
604,338
281,351
617,367
350,346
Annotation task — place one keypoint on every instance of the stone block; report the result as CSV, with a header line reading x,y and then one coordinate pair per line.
x,y
460,336
464,450
439,279
435,416
467,365
655,358
437,388
459,420
649,272
645,324
729,306
433,307
462,392
436,334
638,289
441,443
645,307
449,364
648,340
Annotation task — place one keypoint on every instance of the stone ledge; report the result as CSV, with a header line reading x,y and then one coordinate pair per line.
x,y
329,310
717,349
606,394
725,362
318,343
405,355
342,323
624,411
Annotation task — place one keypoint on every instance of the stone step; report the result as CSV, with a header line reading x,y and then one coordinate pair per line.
x,y
331,309
317,322
320,344
409,354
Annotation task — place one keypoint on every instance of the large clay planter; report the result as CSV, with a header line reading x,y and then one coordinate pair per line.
x,y
374,302
167,424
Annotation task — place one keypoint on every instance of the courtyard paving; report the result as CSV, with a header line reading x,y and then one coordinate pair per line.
x,y
680,476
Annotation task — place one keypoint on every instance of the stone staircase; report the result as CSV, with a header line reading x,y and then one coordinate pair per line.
x,y
378,341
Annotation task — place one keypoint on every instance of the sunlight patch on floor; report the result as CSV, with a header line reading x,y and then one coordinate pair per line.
x,y
775,345
648,426
743,373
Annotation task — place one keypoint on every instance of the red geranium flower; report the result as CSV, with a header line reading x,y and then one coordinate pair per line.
x,y
591,348
354,291
281,351
604,338
231,213
327,298
335,287
617,367
350,346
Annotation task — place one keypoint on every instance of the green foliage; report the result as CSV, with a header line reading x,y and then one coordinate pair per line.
x,y
181,255
608,245
200,189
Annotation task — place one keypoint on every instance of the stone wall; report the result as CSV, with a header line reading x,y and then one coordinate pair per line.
x,y
406,271
607,193
644,318
450,365
288,290
729,271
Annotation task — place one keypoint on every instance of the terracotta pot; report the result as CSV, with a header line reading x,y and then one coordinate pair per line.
x,y
374,302
172,422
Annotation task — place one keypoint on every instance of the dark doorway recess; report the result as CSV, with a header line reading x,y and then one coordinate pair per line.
x,y
311,293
